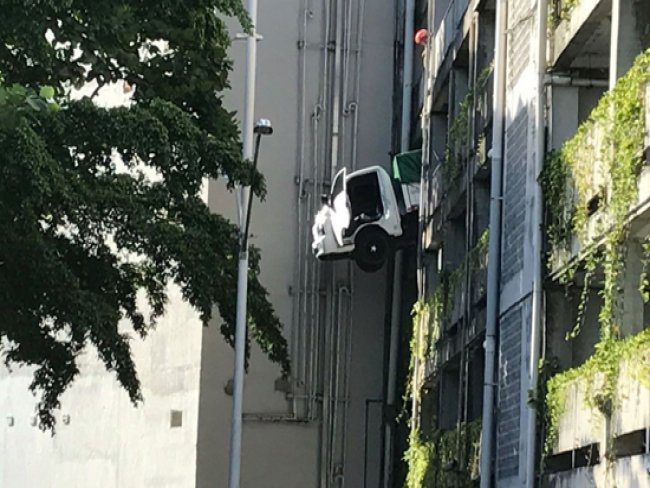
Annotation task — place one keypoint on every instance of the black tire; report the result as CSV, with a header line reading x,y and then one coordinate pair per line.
x,y
371,249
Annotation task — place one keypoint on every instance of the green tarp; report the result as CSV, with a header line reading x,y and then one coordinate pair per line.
x,y
406,167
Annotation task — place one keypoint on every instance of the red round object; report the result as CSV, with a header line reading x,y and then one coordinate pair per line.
x,y
421,36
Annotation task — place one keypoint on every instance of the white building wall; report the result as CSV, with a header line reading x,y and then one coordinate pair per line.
x,y
108,443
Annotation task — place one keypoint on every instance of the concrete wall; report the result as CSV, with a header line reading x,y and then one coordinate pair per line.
x,y
283,446
518,256
108,443
629,472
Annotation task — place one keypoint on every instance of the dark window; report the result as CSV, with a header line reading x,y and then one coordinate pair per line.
x,y
365,200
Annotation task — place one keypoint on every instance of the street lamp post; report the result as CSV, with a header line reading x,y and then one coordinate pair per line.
x,y
262,127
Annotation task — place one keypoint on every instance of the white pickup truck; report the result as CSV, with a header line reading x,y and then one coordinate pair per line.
x,y
361,218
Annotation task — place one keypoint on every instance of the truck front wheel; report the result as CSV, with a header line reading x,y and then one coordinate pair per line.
x,y
371,249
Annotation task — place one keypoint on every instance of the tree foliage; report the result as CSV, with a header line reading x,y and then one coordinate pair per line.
x,y
99,207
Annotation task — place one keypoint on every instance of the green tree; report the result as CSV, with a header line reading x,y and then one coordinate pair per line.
x,y
99,206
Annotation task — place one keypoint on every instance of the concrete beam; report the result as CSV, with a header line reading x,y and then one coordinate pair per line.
x,y
573,34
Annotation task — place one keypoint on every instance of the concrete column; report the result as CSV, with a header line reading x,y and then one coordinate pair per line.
x,y
481,206
560,318
486,37
461,84
438,134
632,306
564,114
625,42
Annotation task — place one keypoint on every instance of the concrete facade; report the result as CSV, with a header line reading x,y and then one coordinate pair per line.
x,y
586,53
102,440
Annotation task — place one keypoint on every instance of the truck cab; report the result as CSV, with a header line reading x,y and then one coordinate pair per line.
x,y
361,217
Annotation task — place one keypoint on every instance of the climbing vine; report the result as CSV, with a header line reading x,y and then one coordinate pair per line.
x,y
459,130
431,314
432,456
610,140
644,282
590,186
600,375
561,10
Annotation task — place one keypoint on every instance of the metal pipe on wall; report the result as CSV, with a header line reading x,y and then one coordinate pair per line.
x,y
469,241
351,109
346,382
314,347
298,313
613,45
407,85
537,222
336,400
396,299
392,364
561,80
494,245
424,199
336,99
329,305
306,286
326,433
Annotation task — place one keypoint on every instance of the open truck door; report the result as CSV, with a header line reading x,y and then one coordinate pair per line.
x,y
361,218
340,203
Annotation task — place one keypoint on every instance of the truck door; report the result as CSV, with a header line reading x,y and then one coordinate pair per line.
x,y
340,206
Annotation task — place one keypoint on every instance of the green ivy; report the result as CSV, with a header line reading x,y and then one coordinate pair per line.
x,y
430,454
600,375
459,130
428,316
560,10
568,186
433,458
644,282
418,458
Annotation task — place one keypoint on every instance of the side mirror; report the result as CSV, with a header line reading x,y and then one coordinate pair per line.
x,y
325,199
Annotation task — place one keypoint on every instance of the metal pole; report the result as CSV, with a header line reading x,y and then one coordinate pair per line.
x,y
407,74
494,246
396,298
238,388
242,274
537,312
614,42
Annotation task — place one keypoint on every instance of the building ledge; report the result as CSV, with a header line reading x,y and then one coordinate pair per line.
x,y
579,34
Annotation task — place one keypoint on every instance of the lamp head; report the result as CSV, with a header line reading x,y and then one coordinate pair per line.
x,y
263,127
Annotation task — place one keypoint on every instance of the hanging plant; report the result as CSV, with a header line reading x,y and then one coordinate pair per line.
x,y
601,163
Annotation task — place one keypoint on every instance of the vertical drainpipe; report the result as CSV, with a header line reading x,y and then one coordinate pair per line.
x,y
396,300
537,305
494,246
613,45
407,74
336,98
